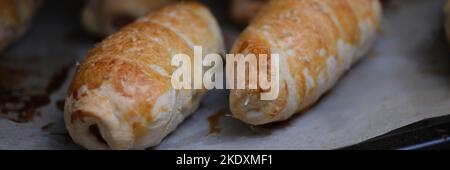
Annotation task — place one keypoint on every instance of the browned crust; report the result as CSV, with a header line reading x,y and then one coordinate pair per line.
x,y
125,62
300,30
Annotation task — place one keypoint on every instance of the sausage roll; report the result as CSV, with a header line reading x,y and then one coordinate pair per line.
x,y
317,41
121,96
104,17
15,16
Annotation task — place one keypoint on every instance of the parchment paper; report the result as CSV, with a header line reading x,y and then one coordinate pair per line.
x,y
404,79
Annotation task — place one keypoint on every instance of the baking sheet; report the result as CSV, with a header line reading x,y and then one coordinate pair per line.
x,y
403,80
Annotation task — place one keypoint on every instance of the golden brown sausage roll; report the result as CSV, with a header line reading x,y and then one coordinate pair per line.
x,y
317,40
122,96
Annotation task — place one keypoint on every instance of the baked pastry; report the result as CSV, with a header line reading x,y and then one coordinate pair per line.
x,y
122,97
243,11
104,17
15,17
317,41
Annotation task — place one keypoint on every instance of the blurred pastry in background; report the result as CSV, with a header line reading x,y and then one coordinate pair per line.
x,y
104,17
447,19
15,18
243,11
